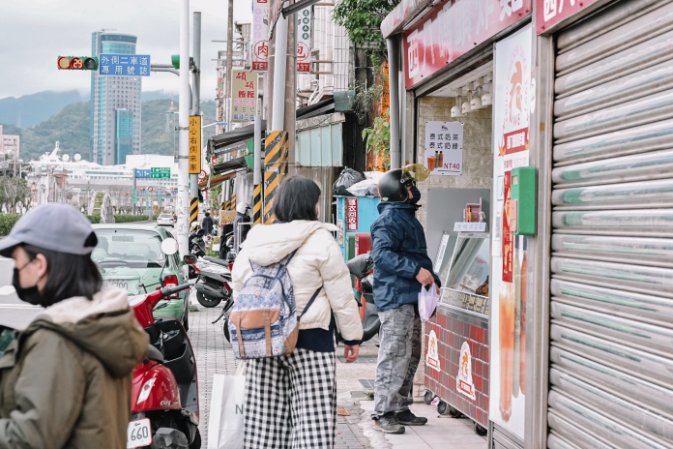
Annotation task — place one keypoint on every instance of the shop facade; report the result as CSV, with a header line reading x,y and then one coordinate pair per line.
x,y
547,216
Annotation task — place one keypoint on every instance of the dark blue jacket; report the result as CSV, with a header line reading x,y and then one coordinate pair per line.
x,y
399,251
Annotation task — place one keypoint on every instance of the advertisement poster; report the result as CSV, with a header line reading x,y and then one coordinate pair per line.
x,y
260,35
444,148
352,214
243,95
513,95
432,355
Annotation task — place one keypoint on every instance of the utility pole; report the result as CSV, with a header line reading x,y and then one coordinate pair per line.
x,y
196,92
230,57
183,128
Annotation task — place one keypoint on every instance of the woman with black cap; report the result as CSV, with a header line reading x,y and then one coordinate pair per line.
x,y
65,381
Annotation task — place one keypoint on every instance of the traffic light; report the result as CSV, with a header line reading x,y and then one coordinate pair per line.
x,y
175,62
77,63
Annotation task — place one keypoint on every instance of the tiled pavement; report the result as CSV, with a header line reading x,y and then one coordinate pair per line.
x,y
354,426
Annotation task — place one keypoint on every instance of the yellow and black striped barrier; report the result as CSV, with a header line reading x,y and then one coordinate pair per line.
x,y
193,210
257,204
275,168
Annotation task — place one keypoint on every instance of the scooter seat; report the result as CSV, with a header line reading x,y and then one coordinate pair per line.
x,y
155,354
217,261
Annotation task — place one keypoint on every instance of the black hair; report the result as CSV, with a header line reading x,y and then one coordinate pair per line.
x,y
68,275
296,199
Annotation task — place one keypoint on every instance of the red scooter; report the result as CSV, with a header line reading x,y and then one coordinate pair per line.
x,y
164,397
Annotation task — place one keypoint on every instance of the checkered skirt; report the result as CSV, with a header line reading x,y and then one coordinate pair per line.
x,y
291,401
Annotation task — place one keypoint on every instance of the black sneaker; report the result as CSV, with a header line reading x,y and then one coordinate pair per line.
x,y
406,418
388,424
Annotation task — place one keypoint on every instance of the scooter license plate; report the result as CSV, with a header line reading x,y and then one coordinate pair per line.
x,y
139,433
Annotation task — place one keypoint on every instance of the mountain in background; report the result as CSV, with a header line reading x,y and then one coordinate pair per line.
x,y
29,110
70,126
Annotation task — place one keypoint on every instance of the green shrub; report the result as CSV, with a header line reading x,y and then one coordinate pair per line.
x,y
128,218
94,219
7,221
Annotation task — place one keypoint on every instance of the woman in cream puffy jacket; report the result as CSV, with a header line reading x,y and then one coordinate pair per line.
x,y
300,386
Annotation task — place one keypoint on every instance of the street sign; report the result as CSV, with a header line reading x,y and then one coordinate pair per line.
x,y
260,35
194,160
304,20
143,173
160,172
124,65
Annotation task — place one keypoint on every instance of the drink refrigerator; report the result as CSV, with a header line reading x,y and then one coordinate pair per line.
x,y
457,337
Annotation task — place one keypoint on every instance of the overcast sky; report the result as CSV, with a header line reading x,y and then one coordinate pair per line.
x,y
34,32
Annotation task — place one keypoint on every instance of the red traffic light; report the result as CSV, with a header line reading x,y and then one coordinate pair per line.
x,y
77,63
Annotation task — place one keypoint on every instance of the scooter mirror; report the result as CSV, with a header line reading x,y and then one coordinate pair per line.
x,y
189,259
169,246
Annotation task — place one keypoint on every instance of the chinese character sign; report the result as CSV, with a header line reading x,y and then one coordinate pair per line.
x,y
243,95
444,148
260,35
124,65
194,161
454,28
304,40
352,214
550,12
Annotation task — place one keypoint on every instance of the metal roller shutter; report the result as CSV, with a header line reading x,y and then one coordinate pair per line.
x,y
611,375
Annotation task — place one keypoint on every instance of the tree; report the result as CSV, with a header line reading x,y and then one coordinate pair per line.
x,y
362,21
13,190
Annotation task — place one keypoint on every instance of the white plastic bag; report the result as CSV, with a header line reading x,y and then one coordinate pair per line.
x,y
427,301
368,187
225,423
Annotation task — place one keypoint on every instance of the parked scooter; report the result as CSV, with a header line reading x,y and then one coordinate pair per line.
x,y
197,245
362,269
164,395
213,284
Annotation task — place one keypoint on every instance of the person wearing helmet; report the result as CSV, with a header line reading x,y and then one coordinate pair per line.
x,y
65,381
401,268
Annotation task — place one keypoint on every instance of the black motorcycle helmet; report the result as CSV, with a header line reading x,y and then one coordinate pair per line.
x,y
393,186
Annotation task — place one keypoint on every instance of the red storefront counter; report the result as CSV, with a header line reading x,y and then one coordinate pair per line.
x,y
457,364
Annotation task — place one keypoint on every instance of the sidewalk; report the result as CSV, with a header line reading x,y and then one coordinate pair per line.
x,y
354,396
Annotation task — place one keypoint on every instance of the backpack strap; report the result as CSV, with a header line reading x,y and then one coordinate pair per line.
x,y
289,257
310,301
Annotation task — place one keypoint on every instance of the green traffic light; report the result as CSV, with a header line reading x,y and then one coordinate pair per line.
x,y
175,61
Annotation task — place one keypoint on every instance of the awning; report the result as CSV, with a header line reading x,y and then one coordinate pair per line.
x,y
247,132
231,137
216,180
403,14
234,164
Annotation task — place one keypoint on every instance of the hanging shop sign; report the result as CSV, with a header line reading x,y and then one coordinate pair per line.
x,y
513,96
260,35
444,148
452,29
304,24
550,12
243,95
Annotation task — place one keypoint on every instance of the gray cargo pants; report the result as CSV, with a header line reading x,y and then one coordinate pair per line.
x,y
399,355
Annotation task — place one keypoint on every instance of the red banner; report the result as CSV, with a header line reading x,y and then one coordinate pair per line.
x,y
452,29
550,12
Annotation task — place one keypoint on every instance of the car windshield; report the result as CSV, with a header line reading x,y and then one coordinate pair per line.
x,y
134,248
165,216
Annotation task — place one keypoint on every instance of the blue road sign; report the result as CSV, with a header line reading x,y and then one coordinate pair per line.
x,y
143,173
123,65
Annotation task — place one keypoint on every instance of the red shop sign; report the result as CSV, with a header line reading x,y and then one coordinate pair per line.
x,y
550,12
454,28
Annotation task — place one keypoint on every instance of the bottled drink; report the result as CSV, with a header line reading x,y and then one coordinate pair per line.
x,y
440,159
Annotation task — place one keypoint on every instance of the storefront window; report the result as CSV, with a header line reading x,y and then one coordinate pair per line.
x,y
467,282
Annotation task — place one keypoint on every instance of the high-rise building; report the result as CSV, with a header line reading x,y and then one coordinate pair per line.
x,y
115,104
